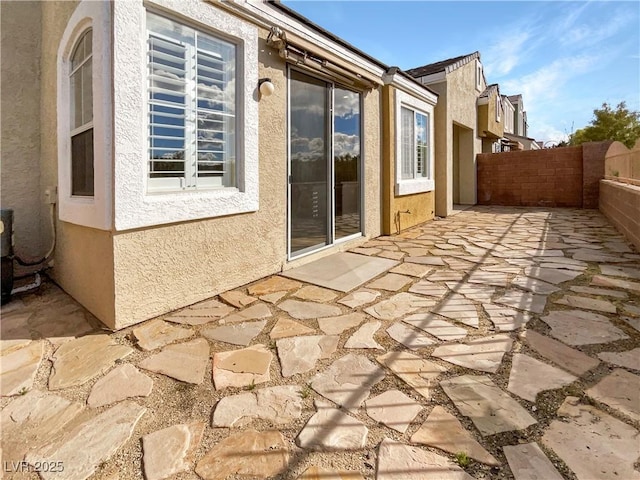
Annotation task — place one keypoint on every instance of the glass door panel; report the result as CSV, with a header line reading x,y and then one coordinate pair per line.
x,y
309,144
346,162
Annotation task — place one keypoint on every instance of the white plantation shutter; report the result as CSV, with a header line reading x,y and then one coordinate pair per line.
x,y
407,143
192,106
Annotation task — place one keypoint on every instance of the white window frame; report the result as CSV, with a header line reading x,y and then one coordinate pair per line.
x,y
95,211
498,108
135,205
479,76
417,184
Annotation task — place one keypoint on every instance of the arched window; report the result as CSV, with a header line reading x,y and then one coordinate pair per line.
x,y
82,117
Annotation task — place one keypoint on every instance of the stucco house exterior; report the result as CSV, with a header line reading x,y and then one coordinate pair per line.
x,y
190,147
459,83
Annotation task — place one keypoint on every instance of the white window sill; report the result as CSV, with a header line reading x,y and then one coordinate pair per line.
x,y
410,187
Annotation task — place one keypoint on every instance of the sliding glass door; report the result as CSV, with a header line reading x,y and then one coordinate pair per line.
x,y
324,163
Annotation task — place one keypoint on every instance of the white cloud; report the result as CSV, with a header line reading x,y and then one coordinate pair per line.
x,y
547,133
546,83
585,35
504,55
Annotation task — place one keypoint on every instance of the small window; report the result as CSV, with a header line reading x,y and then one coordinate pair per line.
x,y
498,108
414,144
191,108
82,117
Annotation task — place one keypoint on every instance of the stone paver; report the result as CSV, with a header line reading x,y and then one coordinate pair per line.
x,y
237,299
432,261
506,319
436,326
267,450
592,443
171,450
620,390
632,322
14,329
491,410
477,292
412,269
587,303
629,359
534,285
306,310
286,327
273,285
279,405
315,294
78,361
616,271
19,367
599,291
330,429
458,308
551,275
30,421
398,306
360,297
158,333
394,409
322,473
576,327
496,279
430,289
483,354
201,313
348,381
341,323
254,312
236,334
391,281
274,297
363,337
529,377
602,281
528,462
565,357
444,431
397,461
241,368
124,381
529,302
409,337
300,354
417,372
186,362
82,449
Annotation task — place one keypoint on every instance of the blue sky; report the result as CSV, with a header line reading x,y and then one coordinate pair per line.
x,y
565,58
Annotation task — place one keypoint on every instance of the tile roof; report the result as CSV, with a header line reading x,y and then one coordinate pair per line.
x,y
489,89
444,66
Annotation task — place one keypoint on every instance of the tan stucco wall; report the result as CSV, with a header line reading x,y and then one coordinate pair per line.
x,y
488,126
164,268
443,153
462,110
20,28
399,212
83,256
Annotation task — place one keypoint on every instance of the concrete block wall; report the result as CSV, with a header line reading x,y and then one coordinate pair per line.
x,y
533,178
620,203
593,154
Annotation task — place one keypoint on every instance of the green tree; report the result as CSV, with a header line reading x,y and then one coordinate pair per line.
x,y
619,124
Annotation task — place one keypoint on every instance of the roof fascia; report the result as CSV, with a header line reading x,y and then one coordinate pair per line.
x,y
267,15
399,80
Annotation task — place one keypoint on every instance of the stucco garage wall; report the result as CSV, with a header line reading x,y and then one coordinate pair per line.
x,y
20,28
461,105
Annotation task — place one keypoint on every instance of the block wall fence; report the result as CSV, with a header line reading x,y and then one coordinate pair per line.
x,y
554,177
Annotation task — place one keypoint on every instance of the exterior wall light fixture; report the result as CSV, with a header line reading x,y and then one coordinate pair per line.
x,y
266,87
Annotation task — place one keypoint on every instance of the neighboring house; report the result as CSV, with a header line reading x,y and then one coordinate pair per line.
x,y
198,146
520,126
509,114
459,83
490,118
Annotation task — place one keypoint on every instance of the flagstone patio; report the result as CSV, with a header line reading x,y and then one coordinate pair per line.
x,y
497,343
